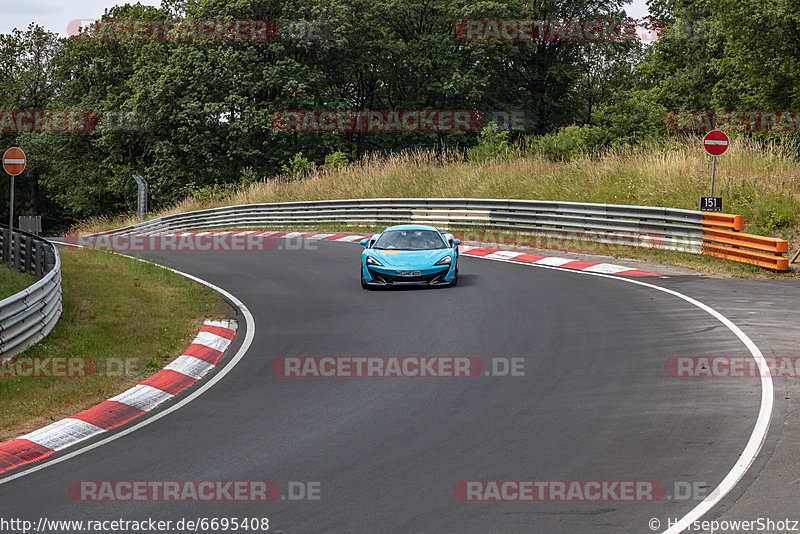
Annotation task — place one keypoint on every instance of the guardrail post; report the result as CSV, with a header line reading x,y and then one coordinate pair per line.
x,y
28,254
39,262
15,240
141,198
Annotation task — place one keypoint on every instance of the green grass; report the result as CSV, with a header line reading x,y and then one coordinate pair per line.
x,y
13,281
119,311
756,180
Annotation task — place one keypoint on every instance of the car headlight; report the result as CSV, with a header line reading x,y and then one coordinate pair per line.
x,y
373,261
444,261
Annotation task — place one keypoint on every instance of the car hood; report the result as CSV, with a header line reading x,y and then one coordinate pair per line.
x,y
408,258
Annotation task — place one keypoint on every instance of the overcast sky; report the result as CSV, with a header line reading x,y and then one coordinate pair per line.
x,y
54,15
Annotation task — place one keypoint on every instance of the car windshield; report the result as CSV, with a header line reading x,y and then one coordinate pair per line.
x,y
410,240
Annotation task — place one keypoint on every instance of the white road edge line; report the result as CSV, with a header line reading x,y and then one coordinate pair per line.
x,y
248,339
746,458
759,434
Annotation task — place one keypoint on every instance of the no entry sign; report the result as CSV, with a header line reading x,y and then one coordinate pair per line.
x,y
14,161
715,142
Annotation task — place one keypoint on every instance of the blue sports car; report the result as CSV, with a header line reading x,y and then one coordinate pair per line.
x,y
409,254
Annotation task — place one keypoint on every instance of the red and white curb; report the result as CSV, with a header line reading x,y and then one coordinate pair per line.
x,y
551,261
467,250
201,357
288,235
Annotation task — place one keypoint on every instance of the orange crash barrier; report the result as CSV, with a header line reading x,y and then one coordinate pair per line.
x,y
723,220
730,244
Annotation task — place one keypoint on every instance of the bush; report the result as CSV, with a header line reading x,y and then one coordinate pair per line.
x,y
335,160
567,143
247,176
632,117
208,192
778,212
492,143
299,166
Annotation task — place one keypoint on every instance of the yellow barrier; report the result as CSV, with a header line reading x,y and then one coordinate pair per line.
x,y
721,238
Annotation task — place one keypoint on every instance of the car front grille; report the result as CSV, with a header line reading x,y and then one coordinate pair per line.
x,y
394,279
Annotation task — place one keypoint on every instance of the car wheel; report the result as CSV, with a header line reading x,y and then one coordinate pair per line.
x,y
364,284
454,281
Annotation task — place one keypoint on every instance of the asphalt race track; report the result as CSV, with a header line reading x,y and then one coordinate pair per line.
x,y
595,403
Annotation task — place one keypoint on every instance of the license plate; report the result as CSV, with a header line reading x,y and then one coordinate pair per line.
x,y
408,273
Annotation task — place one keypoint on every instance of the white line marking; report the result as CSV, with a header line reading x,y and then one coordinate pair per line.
x,y
349,238
63,433
11,161
552,261
248,340
746,458
224,324
713,142
190,366
143,397
759,434
504,255
212,341
607,268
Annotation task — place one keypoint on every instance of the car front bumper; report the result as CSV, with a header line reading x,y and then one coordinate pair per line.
x,y
430,276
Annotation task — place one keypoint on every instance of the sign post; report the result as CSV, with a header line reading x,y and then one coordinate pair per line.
x,y
141,204
14,162
715,143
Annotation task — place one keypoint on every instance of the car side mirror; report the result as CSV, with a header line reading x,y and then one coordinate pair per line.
x,y
456,242
364,242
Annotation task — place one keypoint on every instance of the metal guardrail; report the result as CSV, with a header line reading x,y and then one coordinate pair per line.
x,y
668,228
28,316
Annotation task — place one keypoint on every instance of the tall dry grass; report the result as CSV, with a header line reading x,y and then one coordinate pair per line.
x,y
760,181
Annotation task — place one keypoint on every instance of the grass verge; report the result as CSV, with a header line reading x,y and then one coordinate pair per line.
x,y
131,317
13,281
757,180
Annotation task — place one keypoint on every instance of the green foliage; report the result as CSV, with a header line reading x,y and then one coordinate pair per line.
x,y
567,142
13,281
248,176
208,192
199,115
780,212
631,117
493,143
335,160
299,166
